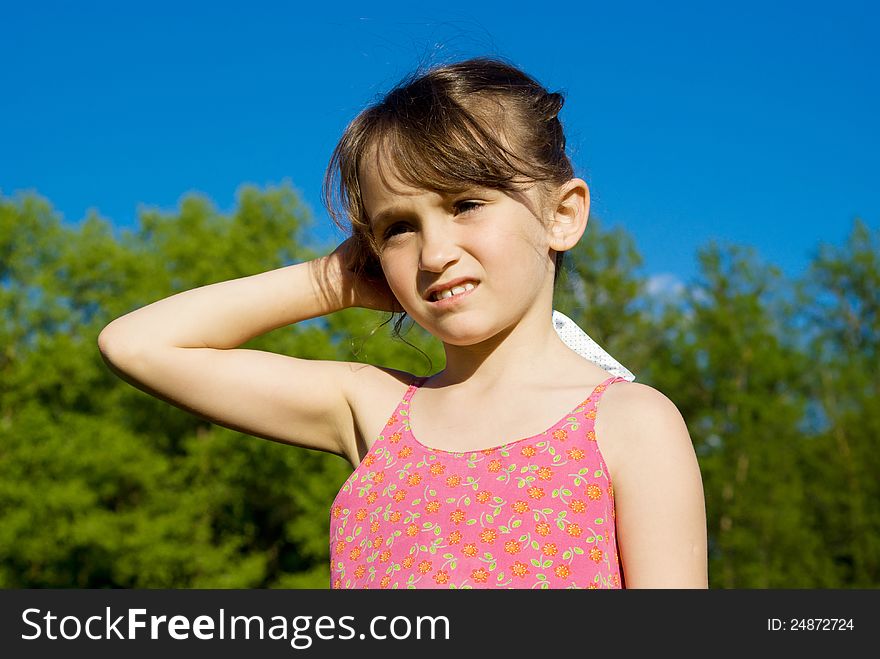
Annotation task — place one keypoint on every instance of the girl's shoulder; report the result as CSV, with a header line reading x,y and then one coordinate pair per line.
x,y
639,423
638,405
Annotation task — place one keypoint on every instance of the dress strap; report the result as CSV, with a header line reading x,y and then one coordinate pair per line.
x,y
415,384
600,389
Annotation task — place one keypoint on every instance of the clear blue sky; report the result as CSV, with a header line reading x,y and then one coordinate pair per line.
x,y
754,123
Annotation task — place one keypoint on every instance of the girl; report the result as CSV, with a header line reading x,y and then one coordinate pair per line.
x,y
498,471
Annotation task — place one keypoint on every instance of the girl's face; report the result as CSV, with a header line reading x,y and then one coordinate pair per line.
x,y
491,240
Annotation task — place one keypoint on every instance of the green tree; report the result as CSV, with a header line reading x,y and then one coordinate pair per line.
x,y
104,485
841,307
101,484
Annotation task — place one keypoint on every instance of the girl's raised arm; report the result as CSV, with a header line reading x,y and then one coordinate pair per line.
x,y
183,349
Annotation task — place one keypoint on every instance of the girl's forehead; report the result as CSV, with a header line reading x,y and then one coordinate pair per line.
x,y
380,183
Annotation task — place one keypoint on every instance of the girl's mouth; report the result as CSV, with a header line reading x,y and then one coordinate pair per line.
x,y
456,297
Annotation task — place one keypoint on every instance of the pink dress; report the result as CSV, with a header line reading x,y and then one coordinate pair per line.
x,y
537,512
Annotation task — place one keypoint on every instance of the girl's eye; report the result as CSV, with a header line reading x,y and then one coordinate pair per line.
x,y
393,229
468,206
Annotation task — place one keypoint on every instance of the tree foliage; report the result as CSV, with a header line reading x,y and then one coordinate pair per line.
x,y
102,485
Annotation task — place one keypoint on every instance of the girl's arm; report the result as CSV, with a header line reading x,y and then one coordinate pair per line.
x,y
182,349
658,493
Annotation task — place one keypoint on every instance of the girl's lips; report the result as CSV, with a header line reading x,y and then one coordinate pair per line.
x,y
455,300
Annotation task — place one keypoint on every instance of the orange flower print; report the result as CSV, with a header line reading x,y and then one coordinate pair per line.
x,y
396,515
536,492
549,549
480,575
355,553
593,586
596,554
488,535
494,466
519,569
395,438
457,516
400,495
591,414
412,530
377,541
340,546
594,492
512,546
455,537
414,479
405,452
545,473
441,577
374,526
575,454
384,556
337,583
488,451
574,530
520,507
561,434
542,528
615,580
408,562
361,514
432,506
371,497
379,478
437,469
425,567
337,511
591,435
483,496
562,571
360,570
392,420
385,581
453,481
469,549
577,506
528,451
610,490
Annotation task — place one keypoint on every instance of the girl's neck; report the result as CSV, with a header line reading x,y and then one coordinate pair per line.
x,y
511,358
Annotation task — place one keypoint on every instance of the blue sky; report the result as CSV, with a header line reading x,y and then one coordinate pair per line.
x,y
750,123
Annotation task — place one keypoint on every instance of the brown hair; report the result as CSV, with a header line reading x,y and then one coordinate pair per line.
x,y
445,130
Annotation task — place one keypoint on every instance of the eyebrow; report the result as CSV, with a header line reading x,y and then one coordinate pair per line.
x,y
383,217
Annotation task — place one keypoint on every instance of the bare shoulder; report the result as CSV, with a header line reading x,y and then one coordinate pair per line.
x,y
373,393
658,490
638,419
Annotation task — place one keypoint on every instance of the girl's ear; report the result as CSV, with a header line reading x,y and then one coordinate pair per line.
x,y
570,216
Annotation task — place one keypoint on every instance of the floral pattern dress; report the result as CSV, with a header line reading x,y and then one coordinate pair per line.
x,y
537,512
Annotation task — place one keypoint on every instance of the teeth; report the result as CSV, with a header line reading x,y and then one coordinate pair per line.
x,y
455,290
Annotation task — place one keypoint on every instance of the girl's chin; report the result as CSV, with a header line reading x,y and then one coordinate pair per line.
x,y
457,333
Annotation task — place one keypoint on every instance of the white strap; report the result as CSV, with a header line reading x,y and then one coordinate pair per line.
x,y
578,340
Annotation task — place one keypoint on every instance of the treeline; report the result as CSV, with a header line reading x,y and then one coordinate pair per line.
x,y
102,485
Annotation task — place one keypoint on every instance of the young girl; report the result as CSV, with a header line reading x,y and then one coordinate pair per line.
x,y
497,471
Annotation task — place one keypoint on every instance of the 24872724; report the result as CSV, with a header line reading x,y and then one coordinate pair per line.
x,y
809,624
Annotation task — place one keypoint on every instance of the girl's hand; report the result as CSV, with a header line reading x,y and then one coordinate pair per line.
x,y
369,288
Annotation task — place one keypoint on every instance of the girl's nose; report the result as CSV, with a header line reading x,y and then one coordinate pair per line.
x,y
439,249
